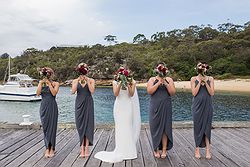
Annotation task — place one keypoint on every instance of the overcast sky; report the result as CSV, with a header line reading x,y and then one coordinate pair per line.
x,y
45,23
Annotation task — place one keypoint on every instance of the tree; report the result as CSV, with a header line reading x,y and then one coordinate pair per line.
x,y
158,36
111,39
140,38
4,56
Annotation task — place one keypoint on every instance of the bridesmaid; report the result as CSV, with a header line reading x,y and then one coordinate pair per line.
x,y
161,89
84,108
202,109
48,89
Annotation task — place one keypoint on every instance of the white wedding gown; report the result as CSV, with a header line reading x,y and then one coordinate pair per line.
x,y
127,128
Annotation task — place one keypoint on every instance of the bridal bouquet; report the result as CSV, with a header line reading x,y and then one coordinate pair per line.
x,y
161,70
202,68
83,69
123,76
46,73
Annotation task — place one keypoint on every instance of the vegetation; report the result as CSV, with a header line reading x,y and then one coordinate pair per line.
x,y
226,48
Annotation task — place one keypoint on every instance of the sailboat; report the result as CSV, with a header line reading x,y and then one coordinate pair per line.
x,y
18,87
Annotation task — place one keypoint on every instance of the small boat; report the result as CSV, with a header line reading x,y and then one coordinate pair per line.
x,y
19,87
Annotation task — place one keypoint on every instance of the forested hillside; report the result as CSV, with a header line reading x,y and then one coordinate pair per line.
x,y
226,48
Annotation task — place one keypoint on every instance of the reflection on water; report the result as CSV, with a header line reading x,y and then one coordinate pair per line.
x,y
227,106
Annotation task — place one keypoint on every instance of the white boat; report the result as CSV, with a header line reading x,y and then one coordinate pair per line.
x,y
18,87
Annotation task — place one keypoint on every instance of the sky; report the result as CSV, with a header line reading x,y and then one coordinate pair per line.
x,y
42,24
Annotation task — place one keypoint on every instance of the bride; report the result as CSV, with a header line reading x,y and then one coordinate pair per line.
x,y
127,123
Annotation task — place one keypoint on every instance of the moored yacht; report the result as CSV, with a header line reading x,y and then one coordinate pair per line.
x,y
19,87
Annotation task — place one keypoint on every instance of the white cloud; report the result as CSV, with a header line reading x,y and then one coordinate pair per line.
x,y
44,23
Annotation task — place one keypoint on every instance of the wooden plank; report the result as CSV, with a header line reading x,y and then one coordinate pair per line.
x,y
83,161
14,138
234,144
120,164
183,153
43,161
32,160
246,130
159,161
13,148
242,134
224,149
240,138
147,151
224,161
190,149
138,162
36,147
187,138
174,158
100,146
9,161
16,147
128,163
5,132
110,147
62,154
73,155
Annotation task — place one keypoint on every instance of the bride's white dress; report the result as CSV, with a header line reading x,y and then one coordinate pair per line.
x,y
127,128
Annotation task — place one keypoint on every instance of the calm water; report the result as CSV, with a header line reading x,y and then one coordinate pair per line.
x,y
228,107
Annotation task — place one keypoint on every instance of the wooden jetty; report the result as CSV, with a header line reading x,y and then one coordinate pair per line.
x,y
25,148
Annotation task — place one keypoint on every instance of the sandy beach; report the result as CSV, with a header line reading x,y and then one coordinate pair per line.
x,y
235,85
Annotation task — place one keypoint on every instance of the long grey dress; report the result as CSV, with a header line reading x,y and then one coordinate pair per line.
x,y
49,117
160,117
84,114
202,111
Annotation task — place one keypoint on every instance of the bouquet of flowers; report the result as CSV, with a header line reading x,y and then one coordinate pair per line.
x,y
123,76
46,73
202,68
83,69
161,70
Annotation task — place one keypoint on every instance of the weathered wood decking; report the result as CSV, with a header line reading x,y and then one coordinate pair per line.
x,y
230,147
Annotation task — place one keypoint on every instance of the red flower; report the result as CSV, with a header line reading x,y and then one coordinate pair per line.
x,y
159,67
83,70
121,69
125,72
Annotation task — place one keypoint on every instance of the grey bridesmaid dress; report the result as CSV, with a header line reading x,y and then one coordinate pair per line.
x,y
49,117
160,117
84,114
202,111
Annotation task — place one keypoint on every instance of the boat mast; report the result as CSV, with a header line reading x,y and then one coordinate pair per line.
x,y
9,68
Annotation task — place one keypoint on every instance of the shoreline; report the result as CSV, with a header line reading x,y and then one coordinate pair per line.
x,y
176,125
227,85
233,85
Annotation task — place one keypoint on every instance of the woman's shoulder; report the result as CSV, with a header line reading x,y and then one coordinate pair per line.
x,y
193,78
55,83
210,78
75,80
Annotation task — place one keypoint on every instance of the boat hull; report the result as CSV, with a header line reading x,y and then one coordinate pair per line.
x,y
14,93
19,97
